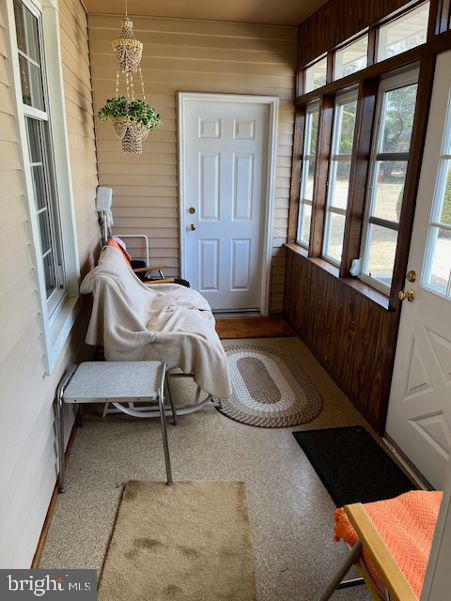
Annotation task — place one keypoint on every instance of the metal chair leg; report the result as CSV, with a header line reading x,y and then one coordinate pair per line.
x,y
350,561
164,433
59,410
80,416
171,400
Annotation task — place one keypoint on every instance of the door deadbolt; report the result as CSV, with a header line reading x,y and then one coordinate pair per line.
x,y
411,276
192,210
408,294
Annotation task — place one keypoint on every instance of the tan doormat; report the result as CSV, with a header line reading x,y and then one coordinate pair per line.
x,y
189,542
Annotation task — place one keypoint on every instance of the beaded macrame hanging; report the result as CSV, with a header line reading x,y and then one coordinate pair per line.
x,y
133,118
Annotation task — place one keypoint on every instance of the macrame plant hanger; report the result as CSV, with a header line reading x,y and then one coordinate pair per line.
x,y
128,55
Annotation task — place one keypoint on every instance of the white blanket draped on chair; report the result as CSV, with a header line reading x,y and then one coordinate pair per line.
x,y
170,323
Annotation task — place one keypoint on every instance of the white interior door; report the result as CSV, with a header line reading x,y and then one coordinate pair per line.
x,y
224,196
419,413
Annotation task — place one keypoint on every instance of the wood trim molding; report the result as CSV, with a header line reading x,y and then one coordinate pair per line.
x,y
183,99
298,139
52,505
359,172
425,84
321,175
376,70
387,568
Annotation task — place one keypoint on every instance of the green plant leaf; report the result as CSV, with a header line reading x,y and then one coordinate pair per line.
x,y
138,111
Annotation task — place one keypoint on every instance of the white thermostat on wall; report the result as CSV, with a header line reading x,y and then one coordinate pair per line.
x,y
104,198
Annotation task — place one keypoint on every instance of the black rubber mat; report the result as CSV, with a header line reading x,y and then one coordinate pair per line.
x,y
353,467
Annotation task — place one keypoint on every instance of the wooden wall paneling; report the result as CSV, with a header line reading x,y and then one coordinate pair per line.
x,y
317,305
353,337
321,175
350,327
383,359
359,170
298,139
425,83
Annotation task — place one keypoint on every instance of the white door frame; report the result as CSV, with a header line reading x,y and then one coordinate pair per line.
x,y
270,180
437,580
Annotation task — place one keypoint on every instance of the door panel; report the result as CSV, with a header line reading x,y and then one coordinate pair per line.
x,y
419,412
209,187
241,259
243,177
225,146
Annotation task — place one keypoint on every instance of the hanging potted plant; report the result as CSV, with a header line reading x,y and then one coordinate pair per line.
x,y
133,121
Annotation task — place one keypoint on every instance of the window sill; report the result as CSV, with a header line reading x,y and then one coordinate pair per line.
x,y
363,289
60,330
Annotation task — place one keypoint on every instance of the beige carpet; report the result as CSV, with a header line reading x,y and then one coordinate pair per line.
x,y
291,512
191,542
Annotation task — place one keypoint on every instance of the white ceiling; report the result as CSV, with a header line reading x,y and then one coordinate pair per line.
x,y
274,12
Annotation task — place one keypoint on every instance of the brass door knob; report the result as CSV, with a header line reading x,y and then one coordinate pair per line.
x,y
408,294
192,227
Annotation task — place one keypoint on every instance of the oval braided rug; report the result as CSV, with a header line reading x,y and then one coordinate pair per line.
x,y
270,389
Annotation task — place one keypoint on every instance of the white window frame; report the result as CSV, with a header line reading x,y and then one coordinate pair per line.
x,y
56,327
306,159
434,223
336,157
386,85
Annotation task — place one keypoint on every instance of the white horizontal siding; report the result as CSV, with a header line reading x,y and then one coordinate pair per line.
x,y
27,431
195,56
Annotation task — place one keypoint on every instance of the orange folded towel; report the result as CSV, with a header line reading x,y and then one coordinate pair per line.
x,y
406,524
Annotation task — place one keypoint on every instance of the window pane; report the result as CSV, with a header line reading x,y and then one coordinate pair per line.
x,y
381,253
339,183
44,229
398,112
406,32
389,181
315,76
312,137
34,131
31,83
27,29
445,209
34,140
439,274
351,58
49,274
334,236
346,128
304,230
37,173
307,192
